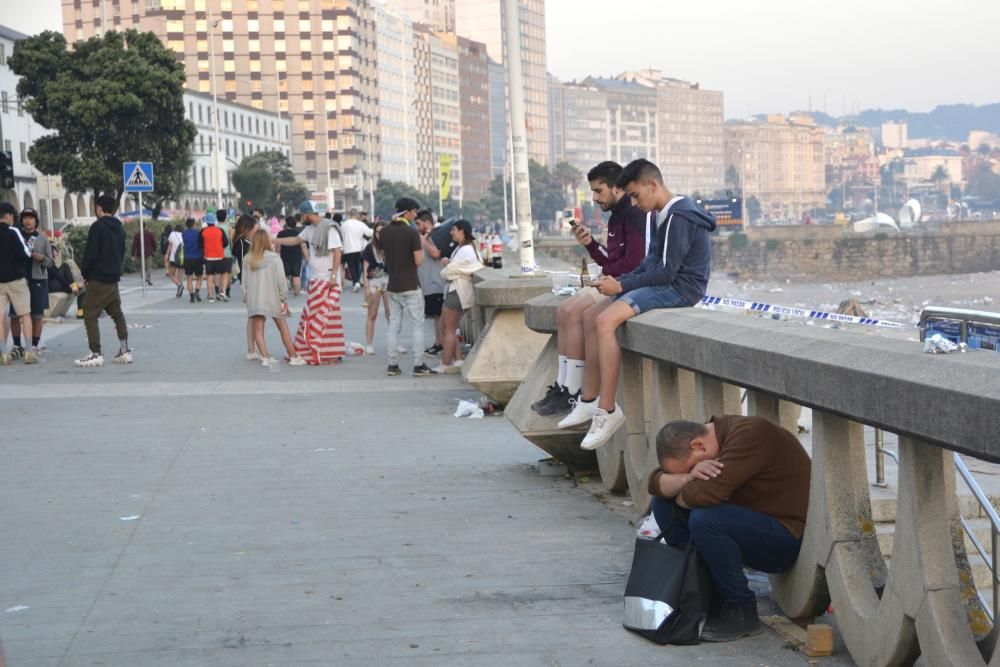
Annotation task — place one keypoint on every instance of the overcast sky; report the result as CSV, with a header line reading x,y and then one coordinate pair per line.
x,y
765,56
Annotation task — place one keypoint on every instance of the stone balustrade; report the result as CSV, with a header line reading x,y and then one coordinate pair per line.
x,y
693,363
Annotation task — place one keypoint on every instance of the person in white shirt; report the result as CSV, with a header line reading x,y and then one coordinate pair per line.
x,y
460,294
175,268
356,235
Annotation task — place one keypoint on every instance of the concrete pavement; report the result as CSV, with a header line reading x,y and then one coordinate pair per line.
x,y
196,509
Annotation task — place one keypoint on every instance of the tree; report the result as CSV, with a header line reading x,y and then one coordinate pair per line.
x,y
388,192
111,99
732,178
266,179
984,183
940,176
984,149
753,210
569,177
546,193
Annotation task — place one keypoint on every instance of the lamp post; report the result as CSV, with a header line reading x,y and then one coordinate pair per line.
x,y
216,161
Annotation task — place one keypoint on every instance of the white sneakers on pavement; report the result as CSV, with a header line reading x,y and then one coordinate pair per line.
x,y
123,356
296,361
92,360
253,356
369,349
603,426
582,413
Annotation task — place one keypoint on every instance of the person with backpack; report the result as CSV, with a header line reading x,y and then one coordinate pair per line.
x,y
14,259
194,262
37,274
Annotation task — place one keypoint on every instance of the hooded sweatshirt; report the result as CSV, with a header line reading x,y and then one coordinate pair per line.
x,y
102,260
14,255
681,254
630,232
265,288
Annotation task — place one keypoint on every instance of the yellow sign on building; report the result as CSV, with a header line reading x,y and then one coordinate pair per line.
x,y
444,178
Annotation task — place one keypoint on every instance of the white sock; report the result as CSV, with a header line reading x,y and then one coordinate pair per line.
x,y
561,377
574,375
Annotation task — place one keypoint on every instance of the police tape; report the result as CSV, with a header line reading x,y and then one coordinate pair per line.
x,y
770,308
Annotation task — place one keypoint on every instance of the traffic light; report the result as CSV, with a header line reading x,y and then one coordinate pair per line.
x,y
6,170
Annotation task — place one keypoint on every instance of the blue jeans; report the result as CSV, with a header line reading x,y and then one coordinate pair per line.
x,y
650,298
410,304
729,537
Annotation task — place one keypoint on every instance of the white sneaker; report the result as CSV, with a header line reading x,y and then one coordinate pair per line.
x,y
253,356
458,363
369,349
356,287
581,414
296,361
5,359
31,356
265,362
603,427
123,357
92,360
401,349
441,369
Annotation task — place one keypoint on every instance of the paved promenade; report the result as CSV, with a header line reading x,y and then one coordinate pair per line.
x,y
196,509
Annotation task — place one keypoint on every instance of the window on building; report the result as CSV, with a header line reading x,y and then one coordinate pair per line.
x,y
4,102
3,54
24,152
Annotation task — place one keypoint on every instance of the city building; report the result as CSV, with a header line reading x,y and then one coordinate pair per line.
x,y
894,135
395,44
243,131
582,113
689,138
631,125
921,166
312,60
474,106
499,129
32,189
780,162
445,107
557,145
849,156
482,21
979,138
439,15
427,168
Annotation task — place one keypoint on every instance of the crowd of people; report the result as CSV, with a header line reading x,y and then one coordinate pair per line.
x,y
403,270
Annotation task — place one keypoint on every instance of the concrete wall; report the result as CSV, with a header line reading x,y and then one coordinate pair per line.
x,y
830,253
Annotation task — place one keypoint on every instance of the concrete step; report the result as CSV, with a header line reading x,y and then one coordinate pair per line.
x,y
884,506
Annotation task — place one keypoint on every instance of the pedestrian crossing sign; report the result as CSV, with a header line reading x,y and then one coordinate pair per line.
x,y
138,176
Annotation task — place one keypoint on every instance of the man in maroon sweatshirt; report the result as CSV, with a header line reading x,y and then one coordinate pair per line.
x,y
629,233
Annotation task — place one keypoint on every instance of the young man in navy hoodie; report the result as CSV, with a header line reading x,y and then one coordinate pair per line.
x,y
674,274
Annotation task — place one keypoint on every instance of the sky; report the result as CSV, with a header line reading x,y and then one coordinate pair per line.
x,y
773,56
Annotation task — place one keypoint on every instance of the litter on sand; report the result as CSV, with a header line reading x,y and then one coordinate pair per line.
x,y
130,518
938,344
18,608
469,409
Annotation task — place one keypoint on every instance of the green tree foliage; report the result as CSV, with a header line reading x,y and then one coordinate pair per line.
x,y
753,210
547,197
266,181
984,183
389,191
569,177
111,99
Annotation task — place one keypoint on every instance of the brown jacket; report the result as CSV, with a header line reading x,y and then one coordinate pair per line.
x,y
766,470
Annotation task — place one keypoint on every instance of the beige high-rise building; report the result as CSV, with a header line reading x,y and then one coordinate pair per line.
x,y
310,60
439,15
482,21
781,162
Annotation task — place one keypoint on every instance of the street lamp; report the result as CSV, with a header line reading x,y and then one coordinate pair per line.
x,y
216,161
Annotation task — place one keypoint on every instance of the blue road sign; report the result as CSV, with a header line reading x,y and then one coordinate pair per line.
x,y
138,176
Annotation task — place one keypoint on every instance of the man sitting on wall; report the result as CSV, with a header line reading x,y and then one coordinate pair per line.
x,y
738,487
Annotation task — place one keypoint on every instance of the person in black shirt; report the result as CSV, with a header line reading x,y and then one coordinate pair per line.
x,y
291,256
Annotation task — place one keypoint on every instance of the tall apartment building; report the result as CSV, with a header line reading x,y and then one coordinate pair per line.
x,y
482,21
474,97
583,112
427,167
314,60
439,15
395,44
690,139
445,108
780,160
632,130
557,146
498,119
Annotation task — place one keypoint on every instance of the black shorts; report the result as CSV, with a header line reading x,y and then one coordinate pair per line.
x,y
175,265
38,290
194,267
293,267
432,305
227,264
215,267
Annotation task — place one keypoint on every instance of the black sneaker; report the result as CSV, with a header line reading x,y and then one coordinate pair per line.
x,y
180,290
560,405
434,349
551,391
393,370
422,371
192,297
197,296
16,352
731,624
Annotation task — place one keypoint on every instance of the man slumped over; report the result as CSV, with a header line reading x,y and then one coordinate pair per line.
x,y
738,488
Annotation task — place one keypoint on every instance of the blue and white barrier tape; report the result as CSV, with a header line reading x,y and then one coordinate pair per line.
x,y
757,307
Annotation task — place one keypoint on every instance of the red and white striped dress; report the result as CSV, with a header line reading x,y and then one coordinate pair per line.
x,y
320,337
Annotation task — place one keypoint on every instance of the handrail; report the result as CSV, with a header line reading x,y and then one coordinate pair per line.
x,y
994,518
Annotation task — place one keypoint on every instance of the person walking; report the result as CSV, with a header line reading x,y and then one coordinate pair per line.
x,y
356,234
291,256
102,270
194,262
14,295
376,281
226,268
213,243
460,295
37,275
173,258
403,254
320,336
242,241
150,249
266,295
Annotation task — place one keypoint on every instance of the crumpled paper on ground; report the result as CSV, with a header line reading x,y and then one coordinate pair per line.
x,y
469,409
938,344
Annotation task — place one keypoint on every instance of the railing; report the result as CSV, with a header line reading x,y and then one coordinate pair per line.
x,y
693,363
990,558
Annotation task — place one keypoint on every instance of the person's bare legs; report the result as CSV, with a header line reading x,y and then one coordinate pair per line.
x,y
450,353
251,346
211,286
36,329
385,305
372,317
592,371
26,330
296,285
286,336
224,279
258,335
609,352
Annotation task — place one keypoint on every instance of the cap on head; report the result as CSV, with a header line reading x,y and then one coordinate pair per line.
x,y
308,208
29,213
405,204
209,219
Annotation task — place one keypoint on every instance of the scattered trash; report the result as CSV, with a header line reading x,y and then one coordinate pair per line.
x,y
130,518
469,409
488,406
987,300
852,307
776,290
649,527
328,449
355,349
938,344
628,503
16,609
140,325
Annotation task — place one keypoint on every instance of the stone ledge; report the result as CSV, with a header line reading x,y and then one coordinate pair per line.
x,y
540,312
498,290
